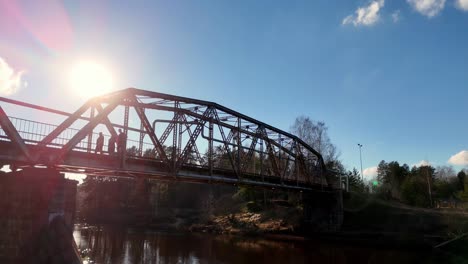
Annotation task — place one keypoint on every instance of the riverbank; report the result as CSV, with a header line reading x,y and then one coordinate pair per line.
x,y
367,220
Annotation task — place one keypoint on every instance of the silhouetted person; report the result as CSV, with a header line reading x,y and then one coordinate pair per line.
x,y
111,144
99,143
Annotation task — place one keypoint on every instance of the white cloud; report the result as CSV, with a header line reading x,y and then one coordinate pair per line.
x,y
422,163
429,8
396,16
461,158
370,173
10,80
462,4
365,16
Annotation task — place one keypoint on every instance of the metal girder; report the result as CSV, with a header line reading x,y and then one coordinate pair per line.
x,y
193,138
217,122
13,134
189,131
248,156
288,159
127,117
168,130
174,143
199,116
86,129
142,137
210,147
226,146
166,97
151,134
90,135
292,149
226,110
65,124
239,145
271,154
106,121
301,162
54,111
231,134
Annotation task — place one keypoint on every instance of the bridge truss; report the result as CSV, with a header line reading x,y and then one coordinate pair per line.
x,y
168,137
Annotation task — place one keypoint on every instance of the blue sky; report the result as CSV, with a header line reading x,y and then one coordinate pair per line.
x,y
391,75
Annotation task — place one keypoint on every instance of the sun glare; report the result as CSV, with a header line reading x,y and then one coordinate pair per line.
x,y
90,79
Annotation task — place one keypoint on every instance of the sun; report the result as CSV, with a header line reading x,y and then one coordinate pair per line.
x,y
89,79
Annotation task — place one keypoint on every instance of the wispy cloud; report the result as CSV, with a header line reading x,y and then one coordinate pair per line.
x,y
10,80
429,8
461,158
370,173
365,15
422,163
396,16
462,4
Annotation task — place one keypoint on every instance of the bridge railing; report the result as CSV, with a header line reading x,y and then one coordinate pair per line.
x,y
33,132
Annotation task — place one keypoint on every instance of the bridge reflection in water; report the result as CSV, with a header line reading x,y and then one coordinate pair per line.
x,y
105,246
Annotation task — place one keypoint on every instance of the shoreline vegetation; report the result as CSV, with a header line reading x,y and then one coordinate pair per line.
x,y
367,220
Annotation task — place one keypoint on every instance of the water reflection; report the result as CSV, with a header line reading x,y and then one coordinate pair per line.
x,y
106,245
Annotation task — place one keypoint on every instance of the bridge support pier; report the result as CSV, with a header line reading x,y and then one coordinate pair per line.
x,y
37,210
323,211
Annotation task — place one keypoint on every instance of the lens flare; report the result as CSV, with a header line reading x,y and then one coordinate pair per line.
x,y
89,79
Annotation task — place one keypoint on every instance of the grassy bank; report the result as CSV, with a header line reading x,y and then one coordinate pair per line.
x,y
366,213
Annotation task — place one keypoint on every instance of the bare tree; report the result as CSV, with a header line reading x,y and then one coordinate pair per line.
x,y
315,134
445,172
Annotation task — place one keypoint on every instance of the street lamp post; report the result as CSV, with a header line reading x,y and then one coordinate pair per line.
x,y
360,158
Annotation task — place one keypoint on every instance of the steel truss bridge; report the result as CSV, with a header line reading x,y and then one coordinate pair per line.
x,y
169,138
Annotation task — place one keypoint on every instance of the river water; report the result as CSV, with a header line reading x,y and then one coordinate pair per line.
x,y
119,245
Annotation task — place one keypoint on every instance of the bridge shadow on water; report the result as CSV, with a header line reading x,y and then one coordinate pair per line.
x,y
117,245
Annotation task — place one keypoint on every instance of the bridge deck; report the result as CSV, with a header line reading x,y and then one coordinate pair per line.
x,y
110,165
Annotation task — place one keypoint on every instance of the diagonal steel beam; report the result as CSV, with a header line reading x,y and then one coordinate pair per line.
x,y
106,121
248,156
232,131
301,163
87,129
168,129
157,144
231,134
288,160
184,155
189,131
13,134
226,143
65,124
271,154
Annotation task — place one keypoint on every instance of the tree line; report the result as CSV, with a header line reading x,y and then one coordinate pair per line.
x,y
422,186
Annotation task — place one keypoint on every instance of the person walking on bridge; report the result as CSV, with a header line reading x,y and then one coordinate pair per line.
x,y
111,144
99,143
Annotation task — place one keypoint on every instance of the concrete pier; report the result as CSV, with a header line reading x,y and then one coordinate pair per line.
x,y
30,200
323,211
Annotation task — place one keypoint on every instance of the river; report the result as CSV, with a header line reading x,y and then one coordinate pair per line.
x,y
119,245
